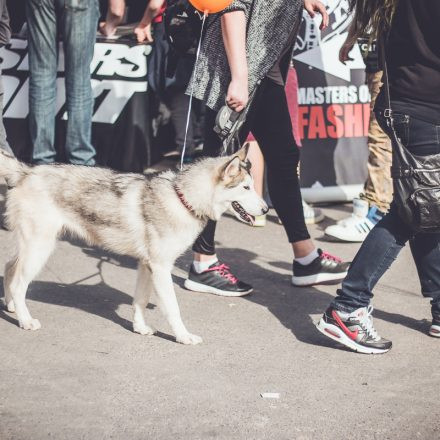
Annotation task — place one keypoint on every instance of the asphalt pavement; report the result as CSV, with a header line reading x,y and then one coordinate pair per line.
x,y
86,375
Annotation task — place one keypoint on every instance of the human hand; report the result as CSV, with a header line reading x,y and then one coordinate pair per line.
x,y
344,51
238,95
143,33
312,6
107,29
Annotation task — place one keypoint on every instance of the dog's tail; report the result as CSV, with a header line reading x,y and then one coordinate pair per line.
x,y
11,168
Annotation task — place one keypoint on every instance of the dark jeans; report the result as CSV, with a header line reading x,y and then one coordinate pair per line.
x,y
390,235
270,123
76,21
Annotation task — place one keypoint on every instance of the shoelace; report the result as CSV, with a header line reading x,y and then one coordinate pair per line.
x,y
366,321
225,272
327,256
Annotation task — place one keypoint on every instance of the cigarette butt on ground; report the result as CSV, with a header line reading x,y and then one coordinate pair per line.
x,y
270,395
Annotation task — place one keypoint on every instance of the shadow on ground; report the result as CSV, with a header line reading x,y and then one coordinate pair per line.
x,y
291,306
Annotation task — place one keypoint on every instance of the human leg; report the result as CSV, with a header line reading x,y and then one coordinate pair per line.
x,y
425,249
178,103
272,127
3,141
378,189
42,47
79,21
381,247
206,273
204,245
257,160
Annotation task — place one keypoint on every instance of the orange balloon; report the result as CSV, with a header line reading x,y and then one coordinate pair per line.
x,y
210,6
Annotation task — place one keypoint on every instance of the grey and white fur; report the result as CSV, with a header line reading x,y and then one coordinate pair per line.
x,y
151,219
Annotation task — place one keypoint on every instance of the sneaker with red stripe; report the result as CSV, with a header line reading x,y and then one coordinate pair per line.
x,y
325,268
354,330
217,279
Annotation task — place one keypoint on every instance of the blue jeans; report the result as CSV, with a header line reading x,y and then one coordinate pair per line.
x,y
76,22
3,141
390,235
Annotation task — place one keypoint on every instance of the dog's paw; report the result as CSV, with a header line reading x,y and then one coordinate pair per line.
x,y
10,306
143,329
189,339
33,324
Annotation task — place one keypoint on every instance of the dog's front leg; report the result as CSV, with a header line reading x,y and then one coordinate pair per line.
x,y
163,285
142,294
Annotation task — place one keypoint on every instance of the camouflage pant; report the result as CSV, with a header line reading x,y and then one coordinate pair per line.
x,y
378,189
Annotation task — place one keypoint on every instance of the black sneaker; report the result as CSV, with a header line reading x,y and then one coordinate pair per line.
x,y
322,269
354,330
217,279
435,328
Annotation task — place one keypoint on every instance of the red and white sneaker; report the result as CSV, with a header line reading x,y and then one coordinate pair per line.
x,y
354,330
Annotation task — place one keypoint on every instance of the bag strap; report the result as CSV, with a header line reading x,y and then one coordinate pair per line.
x,y
388,114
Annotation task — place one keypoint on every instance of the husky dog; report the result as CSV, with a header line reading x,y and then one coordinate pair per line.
x,y
151,219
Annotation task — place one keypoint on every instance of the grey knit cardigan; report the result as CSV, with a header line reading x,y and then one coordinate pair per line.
x,y
269,25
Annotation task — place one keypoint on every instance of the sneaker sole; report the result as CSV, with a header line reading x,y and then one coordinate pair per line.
x,y
320,278
203,288
315,220
434,331
345,239
333,332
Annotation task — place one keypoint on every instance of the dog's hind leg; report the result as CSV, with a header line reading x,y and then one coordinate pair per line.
x,y
32,255
164,288
142,294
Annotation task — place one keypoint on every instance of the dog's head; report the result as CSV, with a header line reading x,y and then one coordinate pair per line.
x,y
235,188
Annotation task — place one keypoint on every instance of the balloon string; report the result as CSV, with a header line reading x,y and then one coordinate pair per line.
x,y
194,76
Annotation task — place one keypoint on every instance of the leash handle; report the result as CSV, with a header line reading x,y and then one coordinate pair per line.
x,y
194,76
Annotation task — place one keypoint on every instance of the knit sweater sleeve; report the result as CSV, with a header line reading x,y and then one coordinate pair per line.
x,y
239,5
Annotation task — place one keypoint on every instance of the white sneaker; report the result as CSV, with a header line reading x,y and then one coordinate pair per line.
x,y
260,221
312,215
355,229
360,209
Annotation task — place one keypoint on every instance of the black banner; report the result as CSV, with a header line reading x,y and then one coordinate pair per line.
x,y
333,99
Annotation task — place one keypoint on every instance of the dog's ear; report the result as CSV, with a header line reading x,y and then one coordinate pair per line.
x,y
230,169
243,151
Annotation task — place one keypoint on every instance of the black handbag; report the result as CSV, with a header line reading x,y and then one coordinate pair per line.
x,y
416,179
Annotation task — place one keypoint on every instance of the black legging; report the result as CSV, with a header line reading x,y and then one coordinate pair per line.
x,y
269,121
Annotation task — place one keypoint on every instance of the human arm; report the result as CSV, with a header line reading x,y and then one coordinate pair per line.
x,y
115,14
348,45
234,39
143,29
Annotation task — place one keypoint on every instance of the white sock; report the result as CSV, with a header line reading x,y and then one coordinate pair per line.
x,y
201,266
308,258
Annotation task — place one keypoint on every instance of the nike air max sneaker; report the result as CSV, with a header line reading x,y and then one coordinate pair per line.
x,y
354,330
217,279
435,329
323,269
